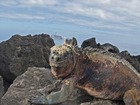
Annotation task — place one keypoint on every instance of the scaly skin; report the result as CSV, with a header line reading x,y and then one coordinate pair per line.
x,y
100,73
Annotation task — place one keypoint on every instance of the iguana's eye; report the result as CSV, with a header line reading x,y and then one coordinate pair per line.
x,y
52,57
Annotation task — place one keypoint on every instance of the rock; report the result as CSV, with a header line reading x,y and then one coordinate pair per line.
x,y
1,88
20,52
89,43
26,85
138,57
125,53
133,60
109,47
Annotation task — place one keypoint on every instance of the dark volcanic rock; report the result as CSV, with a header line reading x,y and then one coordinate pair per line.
x,y
133,60
1,88
20,52
138,57
89,43
109,47
92,43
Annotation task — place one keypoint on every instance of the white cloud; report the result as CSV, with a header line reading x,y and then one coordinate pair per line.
x,y
21,16
100,25
38,3
107,14
28,3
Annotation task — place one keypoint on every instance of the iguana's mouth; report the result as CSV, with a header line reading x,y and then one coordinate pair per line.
x,y
57,63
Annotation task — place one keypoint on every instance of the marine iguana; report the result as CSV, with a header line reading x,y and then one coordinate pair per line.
x,y
100,73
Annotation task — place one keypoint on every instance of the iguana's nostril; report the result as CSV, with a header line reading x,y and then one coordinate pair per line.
x,y
56,58
52,57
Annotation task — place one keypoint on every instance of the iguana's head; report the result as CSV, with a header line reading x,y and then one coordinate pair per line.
x,y
62,58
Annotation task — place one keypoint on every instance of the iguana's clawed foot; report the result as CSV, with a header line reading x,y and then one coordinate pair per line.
x,y
37,100
48,89
41,99
56,85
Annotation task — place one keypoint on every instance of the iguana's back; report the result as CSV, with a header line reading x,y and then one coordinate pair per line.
x,y
106,75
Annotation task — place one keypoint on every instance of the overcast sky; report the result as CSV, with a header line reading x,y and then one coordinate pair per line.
x,y
70,17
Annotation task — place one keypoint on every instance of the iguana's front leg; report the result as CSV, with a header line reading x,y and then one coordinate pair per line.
x,y
52,87
55,97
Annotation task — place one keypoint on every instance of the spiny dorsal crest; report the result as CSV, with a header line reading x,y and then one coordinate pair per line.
x,y
93,51
71,42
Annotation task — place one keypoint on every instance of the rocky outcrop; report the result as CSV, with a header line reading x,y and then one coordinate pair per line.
x,y
109,47
34,79
89,42
138,57
1,88
20,52
133,60
26,86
